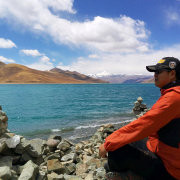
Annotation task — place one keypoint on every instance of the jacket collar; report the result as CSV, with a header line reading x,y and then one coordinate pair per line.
x,y
170,85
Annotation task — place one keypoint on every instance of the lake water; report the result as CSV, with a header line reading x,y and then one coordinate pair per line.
x,y
71,110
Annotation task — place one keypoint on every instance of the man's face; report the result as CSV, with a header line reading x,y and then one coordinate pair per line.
x,y
164,77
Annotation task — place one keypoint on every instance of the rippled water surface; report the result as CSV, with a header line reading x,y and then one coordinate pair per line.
x,y
71,110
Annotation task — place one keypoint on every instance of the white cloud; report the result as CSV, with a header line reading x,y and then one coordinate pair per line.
x,y
31,52
93,56
103,73
117,63
45,59
42,64
172,15
6,60
122,34
59,5
6,43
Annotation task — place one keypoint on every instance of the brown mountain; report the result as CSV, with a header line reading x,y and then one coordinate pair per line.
x,y
73,74
16,73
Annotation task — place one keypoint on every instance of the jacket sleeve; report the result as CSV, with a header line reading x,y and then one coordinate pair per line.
x,y
162,112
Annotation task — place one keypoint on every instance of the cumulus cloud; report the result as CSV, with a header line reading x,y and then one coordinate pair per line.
x,y
117,63
122,34
6,60
42,64
44,59
60,5
31,52
6,43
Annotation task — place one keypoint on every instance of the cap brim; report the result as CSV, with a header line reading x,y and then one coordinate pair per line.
x,y
151,68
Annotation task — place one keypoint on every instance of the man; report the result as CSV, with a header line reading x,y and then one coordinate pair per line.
x,y
161,124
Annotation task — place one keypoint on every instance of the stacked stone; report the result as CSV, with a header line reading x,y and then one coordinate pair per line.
x,y
139,109
3,122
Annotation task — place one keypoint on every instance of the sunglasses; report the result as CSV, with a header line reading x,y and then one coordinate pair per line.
x,y
161,70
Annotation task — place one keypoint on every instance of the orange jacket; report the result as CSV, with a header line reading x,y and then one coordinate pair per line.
x,y
162,112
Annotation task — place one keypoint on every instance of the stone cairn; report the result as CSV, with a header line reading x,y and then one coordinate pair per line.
x,y
139,109
52,159
3,122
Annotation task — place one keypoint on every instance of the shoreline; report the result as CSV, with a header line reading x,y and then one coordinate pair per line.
x,y
74,134
56,157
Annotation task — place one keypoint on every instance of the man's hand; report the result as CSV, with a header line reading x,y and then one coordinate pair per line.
x,y
102,151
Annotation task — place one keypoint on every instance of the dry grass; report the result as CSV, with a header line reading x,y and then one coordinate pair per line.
x,y
16,73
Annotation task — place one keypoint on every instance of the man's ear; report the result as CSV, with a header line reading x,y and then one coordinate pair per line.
x,y
173,75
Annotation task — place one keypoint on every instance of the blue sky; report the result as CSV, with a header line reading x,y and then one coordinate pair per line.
x,y
89,36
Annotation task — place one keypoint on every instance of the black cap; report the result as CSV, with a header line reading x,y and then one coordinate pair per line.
x,y
167,63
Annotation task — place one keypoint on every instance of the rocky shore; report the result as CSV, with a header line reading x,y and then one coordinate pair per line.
x,y
55,158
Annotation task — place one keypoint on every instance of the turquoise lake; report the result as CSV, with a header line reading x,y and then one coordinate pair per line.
x,y
71,110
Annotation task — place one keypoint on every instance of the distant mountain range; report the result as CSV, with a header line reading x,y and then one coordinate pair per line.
x,y
16,73
127,78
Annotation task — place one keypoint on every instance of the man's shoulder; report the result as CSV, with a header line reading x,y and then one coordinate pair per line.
x,y
170,98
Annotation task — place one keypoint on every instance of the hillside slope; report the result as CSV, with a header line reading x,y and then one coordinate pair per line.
x,y
16,73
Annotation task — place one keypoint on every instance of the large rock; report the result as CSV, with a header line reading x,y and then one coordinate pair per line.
x,y
46,150
64,145
56,166
52,156
30,150
36,147
89,177
71,177
6,161
52,143
22,146
97,162
70,168
68,157
25,157
18,169
5,173
86,159
29,172
3,144
81,168
100,172
12,142
41,175
54,176
32,147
